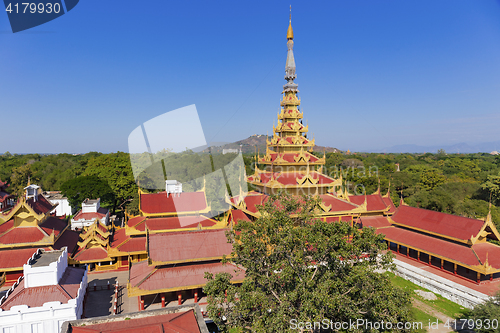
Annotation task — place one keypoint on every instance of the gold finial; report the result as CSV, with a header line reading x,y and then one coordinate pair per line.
x,y
289,33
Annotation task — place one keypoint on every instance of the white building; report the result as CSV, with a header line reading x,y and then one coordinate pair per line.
x,y
48,294
90,212
173,187
63,207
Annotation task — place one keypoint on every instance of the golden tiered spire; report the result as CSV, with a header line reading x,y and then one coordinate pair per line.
x,y
288,160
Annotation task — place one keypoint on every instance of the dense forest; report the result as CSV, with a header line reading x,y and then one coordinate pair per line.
x,y
461,184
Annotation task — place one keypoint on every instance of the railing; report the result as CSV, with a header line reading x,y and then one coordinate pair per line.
x,y
106,267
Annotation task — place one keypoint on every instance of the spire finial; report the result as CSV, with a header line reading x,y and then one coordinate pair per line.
x,y
289,33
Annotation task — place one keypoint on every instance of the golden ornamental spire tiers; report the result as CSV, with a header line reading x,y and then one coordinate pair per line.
x,y
289,163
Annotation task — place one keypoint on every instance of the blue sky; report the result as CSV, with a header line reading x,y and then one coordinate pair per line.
x,y
371,74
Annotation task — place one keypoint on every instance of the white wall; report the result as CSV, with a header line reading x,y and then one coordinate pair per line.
x,y
63,207
49,317
45,275
455,292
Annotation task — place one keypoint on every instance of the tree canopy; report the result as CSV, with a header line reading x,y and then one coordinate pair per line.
x,y
301,269
83,187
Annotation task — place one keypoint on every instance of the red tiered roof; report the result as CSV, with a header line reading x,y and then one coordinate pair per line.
x,y
174,222
373,201
337,204
374,221
182,322
237,215
125,243
100,214
252,200
447,225
435,246
157,203
488,251
181,246
181,276
21,235
69,238
36,296
41,205
93,253
53,224
16,258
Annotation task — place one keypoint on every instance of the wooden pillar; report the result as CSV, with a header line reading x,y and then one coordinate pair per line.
x,y
418,255
141,303
162,300
196,295
455,269
179,298
407,252
442,264
430,259
491,277
398,247
478,277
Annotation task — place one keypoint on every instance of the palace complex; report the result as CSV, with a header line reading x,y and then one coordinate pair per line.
x,y
173,241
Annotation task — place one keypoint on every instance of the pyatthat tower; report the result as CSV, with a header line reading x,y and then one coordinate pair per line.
x,y
288,161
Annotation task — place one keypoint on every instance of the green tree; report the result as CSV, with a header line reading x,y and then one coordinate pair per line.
x,y
81,188
301,268
116,170
492,185
19,179
484,315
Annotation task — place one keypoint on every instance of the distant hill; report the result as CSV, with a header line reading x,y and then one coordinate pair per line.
x,y
258,141
463,148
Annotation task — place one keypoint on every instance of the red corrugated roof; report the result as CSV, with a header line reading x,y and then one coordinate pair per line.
x,y
100,214
165,223
388,202
373,201
134,244
182,322
432,245
16,258
188,245
156,203
237,215
41,205
253,200
119,236
337,204
374,221
489,250
53,224
37,296
93,253
5,195
181,275
69,238
440,223
20,235
135,220
6,226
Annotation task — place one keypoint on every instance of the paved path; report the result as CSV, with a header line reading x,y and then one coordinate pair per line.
x,y
100,302
433,312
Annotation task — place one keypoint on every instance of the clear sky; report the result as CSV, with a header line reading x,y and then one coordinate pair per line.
x,y
371,74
